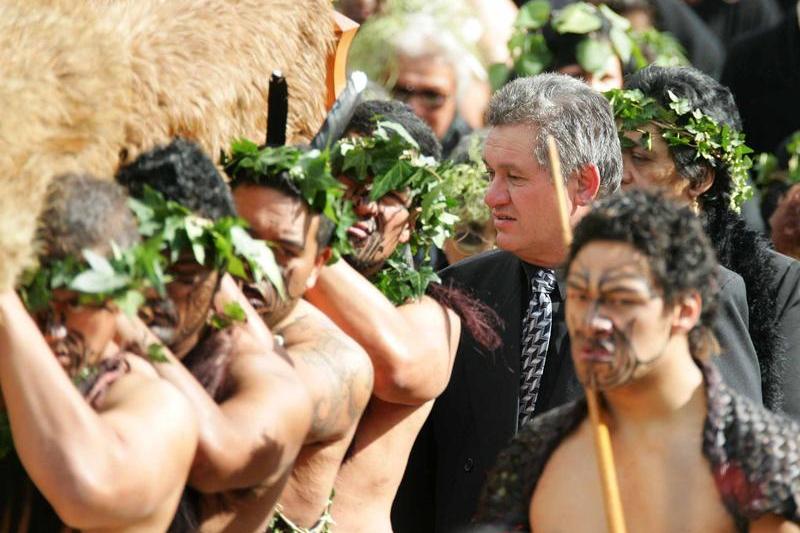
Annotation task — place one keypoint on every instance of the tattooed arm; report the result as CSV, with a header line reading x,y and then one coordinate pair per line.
x,y
335,369
254,435
412,346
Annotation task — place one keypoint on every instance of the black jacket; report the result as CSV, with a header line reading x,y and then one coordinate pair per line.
x,y
476,416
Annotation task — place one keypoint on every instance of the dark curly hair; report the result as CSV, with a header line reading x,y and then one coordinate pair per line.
x,y
672,239
183,173
706,94
367,113
739,248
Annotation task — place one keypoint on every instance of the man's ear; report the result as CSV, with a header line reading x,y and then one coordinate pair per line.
x,y
587,185
405,235
694,190
319,263
687,312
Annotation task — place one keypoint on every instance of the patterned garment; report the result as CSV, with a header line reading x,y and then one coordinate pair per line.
x,y
281,524
753,454
536,328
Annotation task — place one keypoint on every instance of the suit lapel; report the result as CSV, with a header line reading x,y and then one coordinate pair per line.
x,y
494,379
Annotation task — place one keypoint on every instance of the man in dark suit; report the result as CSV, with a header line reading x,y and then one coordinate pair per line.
x,y
491,394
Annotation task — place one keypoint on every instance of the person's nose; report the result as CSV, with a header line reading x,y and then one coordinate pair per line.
x,y
496,194
628,171
364,207
596,322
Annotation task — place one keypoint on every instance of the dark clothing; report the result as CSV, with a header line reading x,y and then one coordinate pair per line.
x,y
763,73
458,130
787,302
752,454
476,416
730,20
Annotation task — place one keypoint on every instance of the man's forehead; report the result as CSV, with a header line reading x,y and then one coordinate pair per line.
x,y
509,144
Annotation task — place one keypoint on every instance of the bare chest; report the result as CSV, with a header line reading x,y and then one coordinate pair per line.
x,y
665,488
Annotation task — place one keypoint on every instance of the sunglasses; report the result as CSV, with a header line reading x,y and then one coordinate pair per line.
x,y
427,97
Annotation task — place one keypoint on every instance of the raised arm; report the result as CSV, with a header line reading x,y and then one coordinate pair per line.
x,y
412,346
254,435
101,469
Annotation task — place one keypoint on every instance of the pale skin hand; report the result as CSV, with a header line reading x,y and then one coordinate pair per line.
x,y
105,469
412,346
253,437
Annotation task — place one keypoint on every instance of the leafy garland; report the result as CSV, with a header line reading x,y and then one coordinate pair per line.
x,y
170,228
121,279
607,34
309,172
167,227
682,126
390,158
767,165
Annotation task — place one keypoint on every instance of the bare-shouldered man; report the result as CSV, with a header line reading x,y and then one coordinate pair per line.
x,y
690,453
254,412
281,208
412,346
105,442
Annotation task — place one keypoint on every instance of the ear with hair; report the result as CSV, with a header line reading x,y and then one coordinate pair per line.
x,y
686,314
322,259
405,235
693,190
586,185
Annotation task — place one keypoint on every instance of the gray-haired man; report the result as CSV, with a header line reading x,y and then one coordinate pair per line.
x,y
491,395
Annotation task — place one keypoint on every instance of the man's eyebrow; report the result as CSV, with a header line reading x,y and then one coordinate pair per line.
x,y
291,243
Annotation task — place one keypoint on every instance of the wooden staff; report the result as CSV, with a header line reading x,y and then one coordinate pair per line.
x,y
602,438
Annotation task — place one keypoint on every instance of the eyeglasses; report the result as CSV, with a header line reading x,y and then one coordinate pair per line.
x,y
427,97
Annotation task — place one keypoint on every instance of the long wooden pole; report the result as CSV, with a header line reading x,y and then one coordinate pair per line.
x,y
602,439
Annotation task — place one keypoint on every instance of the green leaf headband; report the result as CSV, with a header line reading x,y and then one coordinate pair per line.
x,y
309,171
390,158
172,228
683,126
607,34
122,279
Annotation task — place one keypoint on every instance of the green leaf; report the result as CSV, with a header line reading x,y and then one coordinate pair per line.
x,y
130,302
259,256
578,18
93,282
498,75
536,56
235,312
98,263
593,55
156,354
617,21
533,15
623,45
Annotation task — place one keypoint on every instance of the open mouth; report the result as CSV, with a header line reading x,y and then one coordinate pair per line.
x,y
362,229
598,351
502,217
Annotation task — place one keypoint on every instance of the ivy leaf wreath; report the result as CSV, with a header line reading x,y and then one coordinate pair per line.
x,y
309,171
390,160
171,228
683,126
606,34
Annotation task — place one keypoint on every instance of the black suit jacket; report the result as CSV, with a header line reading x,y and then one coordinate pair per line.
x,y
476,416
787,301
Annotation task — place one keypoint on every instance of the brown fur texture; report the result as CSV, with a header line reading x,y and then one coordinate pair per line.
x,y
89,85
201,67
57,114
